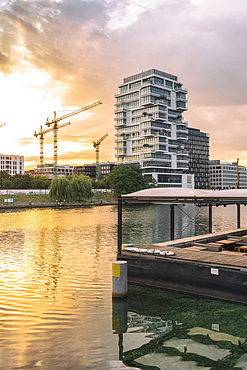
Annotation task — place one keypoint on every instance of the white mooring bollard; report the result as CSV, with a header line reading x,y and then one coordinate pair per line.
x,y
119,279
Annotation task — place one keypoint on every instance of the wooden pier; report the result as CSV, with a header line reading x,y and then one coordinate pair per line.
x,y
213,265
192,269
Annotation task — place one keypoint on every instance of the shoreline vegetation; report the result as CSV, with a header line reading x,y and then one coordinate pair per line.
x,y
10,201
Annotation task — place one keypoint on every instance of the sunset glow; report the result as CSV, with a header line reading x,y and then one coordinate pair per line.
x,y
60,55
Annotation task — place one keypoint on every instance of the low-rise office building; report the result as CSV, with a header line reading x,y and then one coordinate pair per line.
x,y
90,169
224,175
50,170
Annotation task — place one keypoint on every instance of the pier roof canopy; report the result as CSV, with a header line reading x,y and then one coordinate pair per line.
x,y
186,195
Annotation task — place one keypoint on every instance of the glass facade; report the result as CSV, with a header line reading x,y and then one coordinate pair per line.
x,y
197,147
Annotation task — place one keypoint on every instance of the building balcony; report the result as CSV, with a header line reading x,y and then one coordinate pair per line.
x,y
180,87
181,109
122,124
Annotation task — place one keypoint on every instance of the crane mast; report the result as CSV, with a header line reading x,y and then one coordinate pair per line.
x,y
41,134
55,126
96,145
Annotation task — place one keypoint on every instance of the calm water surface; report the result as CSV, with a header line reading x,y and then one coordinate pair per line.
x,y
56,305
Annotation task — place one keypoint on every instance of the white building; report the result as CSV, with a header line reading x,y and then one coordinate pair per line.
x,y
13,164
223,175
150,130
50,170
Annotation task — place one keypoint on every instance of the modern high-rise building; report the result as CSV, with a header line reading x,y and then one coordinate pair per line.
x,y
13,164
150,130
225,175
197,147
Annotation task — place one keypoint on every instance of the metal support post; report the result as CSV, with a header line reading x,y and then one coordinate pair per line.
x,y
172,222
238,216
120,211
210,219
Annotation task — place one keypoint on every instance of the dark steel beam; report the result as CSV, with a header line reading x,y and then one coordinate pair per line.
x,y
120,224
172,222
210,219
238,216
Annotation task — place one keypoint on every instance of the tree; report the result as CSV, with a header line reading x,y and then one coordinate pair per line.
x,y
100,184
4,175
60,189
40,182
20,181
126,178
81,187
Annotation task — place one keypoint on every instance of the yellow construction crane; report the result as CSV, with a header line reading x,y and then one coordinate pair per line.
x,y
55,126
96,145
41,134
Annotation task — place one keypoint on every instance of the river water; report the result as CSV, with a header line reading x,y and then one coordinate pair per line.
x,y
56,307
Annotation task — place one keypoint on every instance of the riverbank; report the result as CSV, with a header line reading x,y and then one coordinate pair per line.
x,y
16,201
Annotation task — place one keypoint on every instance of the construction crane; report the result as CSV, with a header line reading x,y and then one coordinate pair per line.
x,y
41,134
3,124
96,145
55,126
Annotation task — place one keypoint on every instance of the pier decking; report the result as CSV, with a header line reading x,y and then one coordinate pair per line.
x,y
229,259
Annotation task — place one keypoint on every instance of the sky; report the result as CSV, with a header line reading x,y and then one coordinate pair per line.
x,y
60,55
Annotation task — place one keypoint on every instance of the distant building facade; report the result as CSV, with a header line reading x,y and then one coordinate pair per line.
x,y
90,169
149,127
197,147
50,170
223,175
13,164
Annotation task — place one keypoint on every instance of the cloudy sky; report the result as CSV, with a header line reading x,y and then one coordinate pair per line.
x,y
59,55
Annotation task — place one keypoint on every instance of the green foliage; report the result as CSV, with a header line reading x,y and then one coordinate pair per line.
x,y
20,181
4,176
40,182
60,189
126,178
100,184
73,188
81,187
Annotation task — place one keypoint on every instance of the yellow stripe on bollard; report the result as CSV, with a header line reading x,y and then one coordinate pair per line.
x,y
115,270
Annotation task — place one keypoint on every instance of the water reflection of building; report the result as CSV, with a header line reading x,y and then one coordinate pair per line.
x,y
148,324
174,346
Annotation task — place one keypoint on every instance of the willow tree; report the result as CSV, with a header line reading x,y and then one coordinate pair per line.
x,y
81,187
60,189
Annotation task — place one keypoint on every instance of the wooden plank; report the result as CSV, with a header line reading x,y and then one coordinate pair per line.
x,y
203,256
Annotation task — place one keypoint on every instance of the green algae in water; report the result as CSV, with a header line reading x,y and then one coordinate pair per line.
x,y
205,333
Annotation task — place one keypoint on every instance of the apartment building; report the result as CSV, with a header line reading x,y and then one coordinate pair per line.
x,y
197,147
224,175
149,127
13,164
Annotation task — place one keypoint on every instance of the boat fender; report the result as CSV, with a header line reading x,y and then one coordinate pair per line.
x,y
167,253
154,251
131,249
